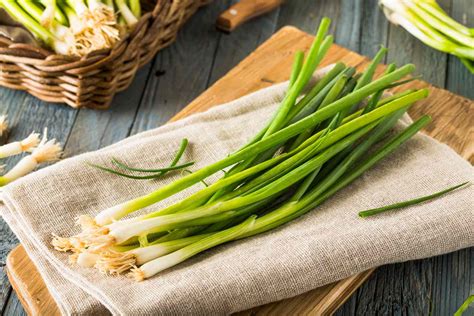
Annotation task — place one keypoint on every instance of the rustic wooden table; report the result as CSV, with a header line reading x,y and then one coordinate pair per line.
x,y
435,286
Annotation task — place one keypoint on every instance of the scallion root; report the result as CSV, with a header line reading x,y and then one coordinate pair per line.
x,y
62,244
87,259
47,151
30,143
87,223
115,262
137,274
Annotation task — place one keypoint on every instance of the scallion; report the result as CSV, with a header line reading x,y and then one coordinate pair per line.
x,y
408,203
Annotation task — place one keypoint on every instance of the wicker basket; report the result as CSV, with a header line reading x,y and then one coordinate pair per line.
x,y
93,80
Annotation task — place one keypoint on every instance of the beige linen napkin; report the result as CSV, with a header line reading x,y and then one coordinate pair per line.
x,y
328,244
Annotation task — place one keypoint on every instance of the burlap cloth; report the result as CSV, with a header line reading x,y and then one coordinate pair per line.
x,y
328,244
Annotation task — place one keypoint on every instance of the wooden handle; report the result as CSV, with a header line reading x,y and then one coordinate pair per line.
x,y
243,11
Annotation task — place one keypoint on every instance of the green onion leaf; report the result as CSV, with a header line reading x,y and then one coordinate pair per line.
x,y
411,202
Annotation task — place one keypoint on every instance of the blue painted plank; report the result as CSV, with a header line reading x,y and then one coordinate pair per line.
x,y
459,79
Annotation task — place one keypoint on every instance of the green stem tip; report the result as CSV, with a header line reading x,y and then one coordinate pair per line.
x,y
411,202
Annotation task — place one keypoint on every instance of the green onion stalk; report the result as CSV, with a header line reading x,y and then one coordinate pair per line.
x,y
119,233
314,146
301,76
116,212
425,20
161,224
152,256
55,11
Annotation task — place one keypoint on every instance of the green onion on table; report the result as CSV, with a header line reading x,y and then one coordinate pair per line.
x,y
15,148
315,145
428,22
42,152
74,27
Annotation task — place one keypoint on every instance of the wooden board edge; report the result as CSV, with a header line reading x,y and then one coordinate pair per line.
x,y
346,287
31,303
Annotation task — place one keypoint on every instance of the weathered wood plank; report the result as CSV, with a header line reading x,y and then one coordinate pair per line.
x,y
96,129
349,24
8,241
453,281
306,15
404,48
374,28
14,307
459,79
234,47
185,67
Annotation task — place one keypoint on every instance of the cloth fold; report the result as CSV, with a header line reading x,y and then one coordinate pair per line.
x,y
14,31
328,244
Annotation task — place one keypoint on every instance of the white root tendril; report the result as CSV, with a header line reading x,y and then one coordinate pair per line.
x,y
115,262
87,259
47,151
3,124
137,274
96,239
99,30
30,143
62,244
87,223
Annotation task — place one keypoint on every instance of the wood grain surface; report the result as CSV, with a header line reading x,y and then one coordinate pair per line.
x,y
453,121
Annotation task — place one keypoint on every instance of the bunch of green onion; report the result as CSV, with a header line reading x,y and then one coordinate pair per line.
x,y
428,22
40,151
75,27
315,145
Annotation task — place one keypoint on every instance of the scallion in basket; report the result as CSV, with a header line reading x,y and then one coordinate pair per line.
x,y
74,27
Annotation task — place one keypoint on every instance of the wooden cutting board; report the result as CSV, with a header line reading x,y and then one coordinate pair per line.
x,y
453,124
